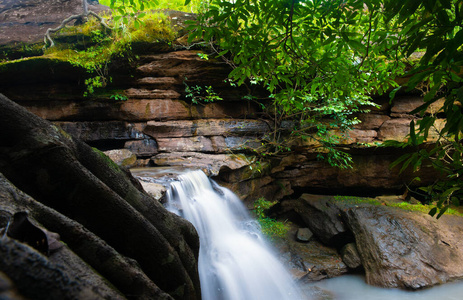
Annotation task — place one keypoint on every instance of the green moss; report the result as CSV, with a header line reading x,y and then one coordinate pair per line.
x,y
108,160
356,200
422,208
270,227
402,205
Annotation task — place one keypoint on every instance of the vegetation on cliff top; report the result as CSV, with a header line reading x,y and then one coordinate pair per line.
x,y
424,208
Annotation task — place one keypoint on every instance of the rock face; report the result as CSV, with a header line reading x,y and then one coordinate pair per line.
x,y
100,212
163,127
396,248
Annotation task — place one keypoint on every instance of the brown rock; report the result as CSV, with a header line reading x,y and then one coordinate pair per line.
x,y
404,105
164,83
151,94
208,127
190,144
156,190
371,121
122,157
210,163
404,249
359,136
394,129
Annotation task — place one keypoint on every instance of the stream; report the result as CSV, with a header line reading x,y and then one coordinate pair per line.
x,y
235,261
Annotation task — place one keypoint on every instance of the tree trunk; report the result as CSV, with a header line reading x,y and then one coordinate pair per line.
x,y
85,186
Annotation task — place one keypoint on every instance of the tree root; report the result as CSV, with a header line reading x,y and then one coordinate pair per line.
x,y
47,38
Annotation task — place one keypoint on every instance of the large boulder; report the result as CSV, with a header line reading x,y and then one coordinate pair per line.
x,y
99,210
404,249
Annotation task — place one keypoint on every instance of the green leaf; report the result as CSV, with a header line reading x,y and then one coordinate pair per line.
x,y
400,160
412,133
393,92
187,2
442,211
433,211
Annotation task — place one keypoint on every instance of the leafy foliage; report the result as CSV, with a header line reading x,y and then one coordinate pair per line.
x,y
319,61
199,94
270,227
436,28
127,10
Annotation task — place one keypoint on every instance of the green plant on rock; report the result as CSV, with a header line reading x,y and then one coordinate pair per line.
x,y
118,97
103,46
201,94
270,227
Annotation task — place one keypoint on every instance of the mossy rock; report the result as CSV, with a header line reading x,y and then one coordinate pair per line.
x,y
38,69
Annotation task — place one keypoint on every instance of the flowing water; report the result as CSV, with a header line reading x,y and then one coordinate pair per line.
x,y
234,260
236,263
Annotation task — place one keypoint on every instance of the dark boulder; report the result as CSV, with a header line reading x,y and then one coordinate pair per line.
x,y
323,218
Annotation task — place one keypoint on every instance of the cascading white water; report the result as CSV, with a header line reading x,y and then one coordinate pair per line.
x,y
234,261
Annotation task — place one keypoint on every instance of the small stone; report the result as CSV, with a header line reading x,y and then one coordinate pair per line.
x,y
303,235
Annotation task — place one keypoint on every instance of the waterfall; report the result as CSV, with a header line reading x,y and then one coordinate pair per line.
x,y
234,260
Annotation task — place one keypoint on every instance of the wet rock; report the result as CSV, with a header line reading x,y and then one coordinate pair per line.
x,y
350,256
323,218
311,261
404,249
303,235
